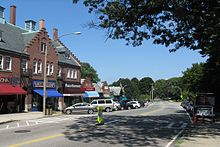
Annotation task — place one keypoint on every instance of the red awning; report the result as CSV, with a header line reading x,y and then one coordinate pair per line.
x,y
11,90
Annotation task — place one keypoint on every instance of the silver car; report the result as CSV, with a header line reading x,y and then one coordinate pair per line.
x,y
80,107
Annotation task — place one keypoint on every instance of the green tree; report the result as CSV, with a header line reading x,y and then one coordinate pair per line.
x,y
88,71
131,90
145,85
192,77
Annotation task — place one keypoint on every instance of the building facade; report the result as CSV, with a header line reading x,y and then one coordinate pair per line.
x,y
27,57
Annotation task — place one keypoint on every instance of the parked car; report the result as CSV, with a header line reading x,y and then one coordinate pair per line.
x,y
117,106
106,104
80,107
133,105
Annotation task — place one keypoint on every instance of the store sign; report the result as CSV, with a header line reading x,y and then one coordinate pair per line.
x,y
67,85
4,80
40,84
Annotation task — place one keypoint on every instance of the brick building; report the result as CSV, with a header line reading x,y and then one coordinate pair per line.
x,y
22,60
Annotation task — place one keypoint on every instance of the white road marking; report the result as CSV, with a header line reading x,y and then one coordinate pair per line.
x,y
18,125
170,125
183,125
7,126
175,137
27,123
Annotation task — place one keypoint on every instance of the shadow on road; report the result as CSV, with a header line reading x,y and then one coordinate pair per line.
x,y
126,130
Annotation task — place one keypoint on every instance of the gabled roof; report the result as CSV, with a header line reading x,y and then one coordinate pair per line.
x,y
62,50
12,38
116,91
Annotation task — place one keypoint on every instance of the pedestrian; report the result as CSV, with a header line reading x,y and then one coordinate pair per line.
x,y
100,116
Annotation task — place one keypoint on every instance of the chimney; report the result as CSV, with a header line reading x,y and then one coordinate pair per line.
x,y
41,24
55,34
30,25
13,15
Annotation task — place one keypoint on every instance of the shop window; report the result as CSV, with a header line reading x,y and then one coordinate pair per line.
x,y
8,63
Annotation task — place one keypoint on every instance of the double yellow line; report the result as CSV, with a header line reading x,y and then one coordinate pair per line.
x,y
36,140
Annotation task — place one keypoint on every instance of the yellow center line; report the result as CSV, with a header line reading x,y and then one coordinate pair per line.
x,y
150,112
35,140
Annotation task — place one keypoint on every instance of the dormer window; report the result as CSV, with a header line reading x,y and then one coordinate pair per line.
x,y
43,47
67,55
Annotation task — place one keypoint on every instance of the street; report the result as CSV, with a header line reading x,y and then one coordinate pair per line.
x,y
155,125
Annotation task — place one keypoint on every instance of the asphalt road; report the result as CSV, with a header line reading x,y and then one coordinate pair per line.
x,y
156,125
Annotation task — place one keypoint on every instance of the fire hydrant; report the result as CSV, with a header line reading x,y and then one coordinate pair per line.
x,y
100,116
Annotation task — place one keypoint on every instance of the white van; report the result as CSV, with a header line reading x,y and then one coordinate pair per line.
x,y
106,104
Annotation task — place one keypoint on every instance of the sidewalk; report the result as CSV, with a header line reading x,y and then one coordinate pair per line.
x,y
4,118
201,135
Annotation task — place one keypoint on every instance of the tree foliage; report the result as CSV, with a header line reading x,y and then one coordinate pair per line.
x,y
88,71
145,85
190,23
192,77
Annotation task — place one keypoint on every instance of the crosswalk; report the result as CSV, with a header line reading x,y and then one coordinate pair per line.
x,y
39,121
163,124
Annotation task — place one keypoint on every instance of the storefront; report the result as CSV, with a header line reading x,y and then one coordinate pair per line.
x,y
52,95
72,94
11,95
89,90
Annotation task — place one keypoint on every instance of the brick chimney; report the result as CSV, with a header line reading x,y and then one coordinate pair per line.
x,y
41,24
55,34
13,15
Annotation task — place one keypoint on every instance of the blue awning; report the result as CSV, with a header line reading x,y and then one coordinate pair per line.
x,y
89,94
50,93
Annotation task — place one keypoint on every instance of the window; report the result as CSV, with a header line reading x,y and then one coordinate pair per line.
x,y
94,102
108,101
72,72
48,69
24,65
35,66
59,71
39,66
43,47
75,74
1,62
67,55
101,101
8,63
51,69
68,73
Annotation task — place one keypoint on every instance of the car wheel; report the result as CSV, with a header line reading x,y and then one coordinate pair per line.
x,y
68,111
90,111
136,107
129,108
107,109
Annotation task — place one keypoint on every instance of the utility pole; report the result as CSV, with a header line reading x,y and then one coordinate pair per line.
x,y
45,81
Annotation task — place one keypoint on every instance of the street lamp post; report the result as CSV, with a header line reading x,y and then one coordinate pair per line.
x,y
45,70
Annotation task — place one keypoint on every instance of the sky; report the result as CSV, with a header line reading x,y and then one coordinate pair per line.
x,y
112,59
